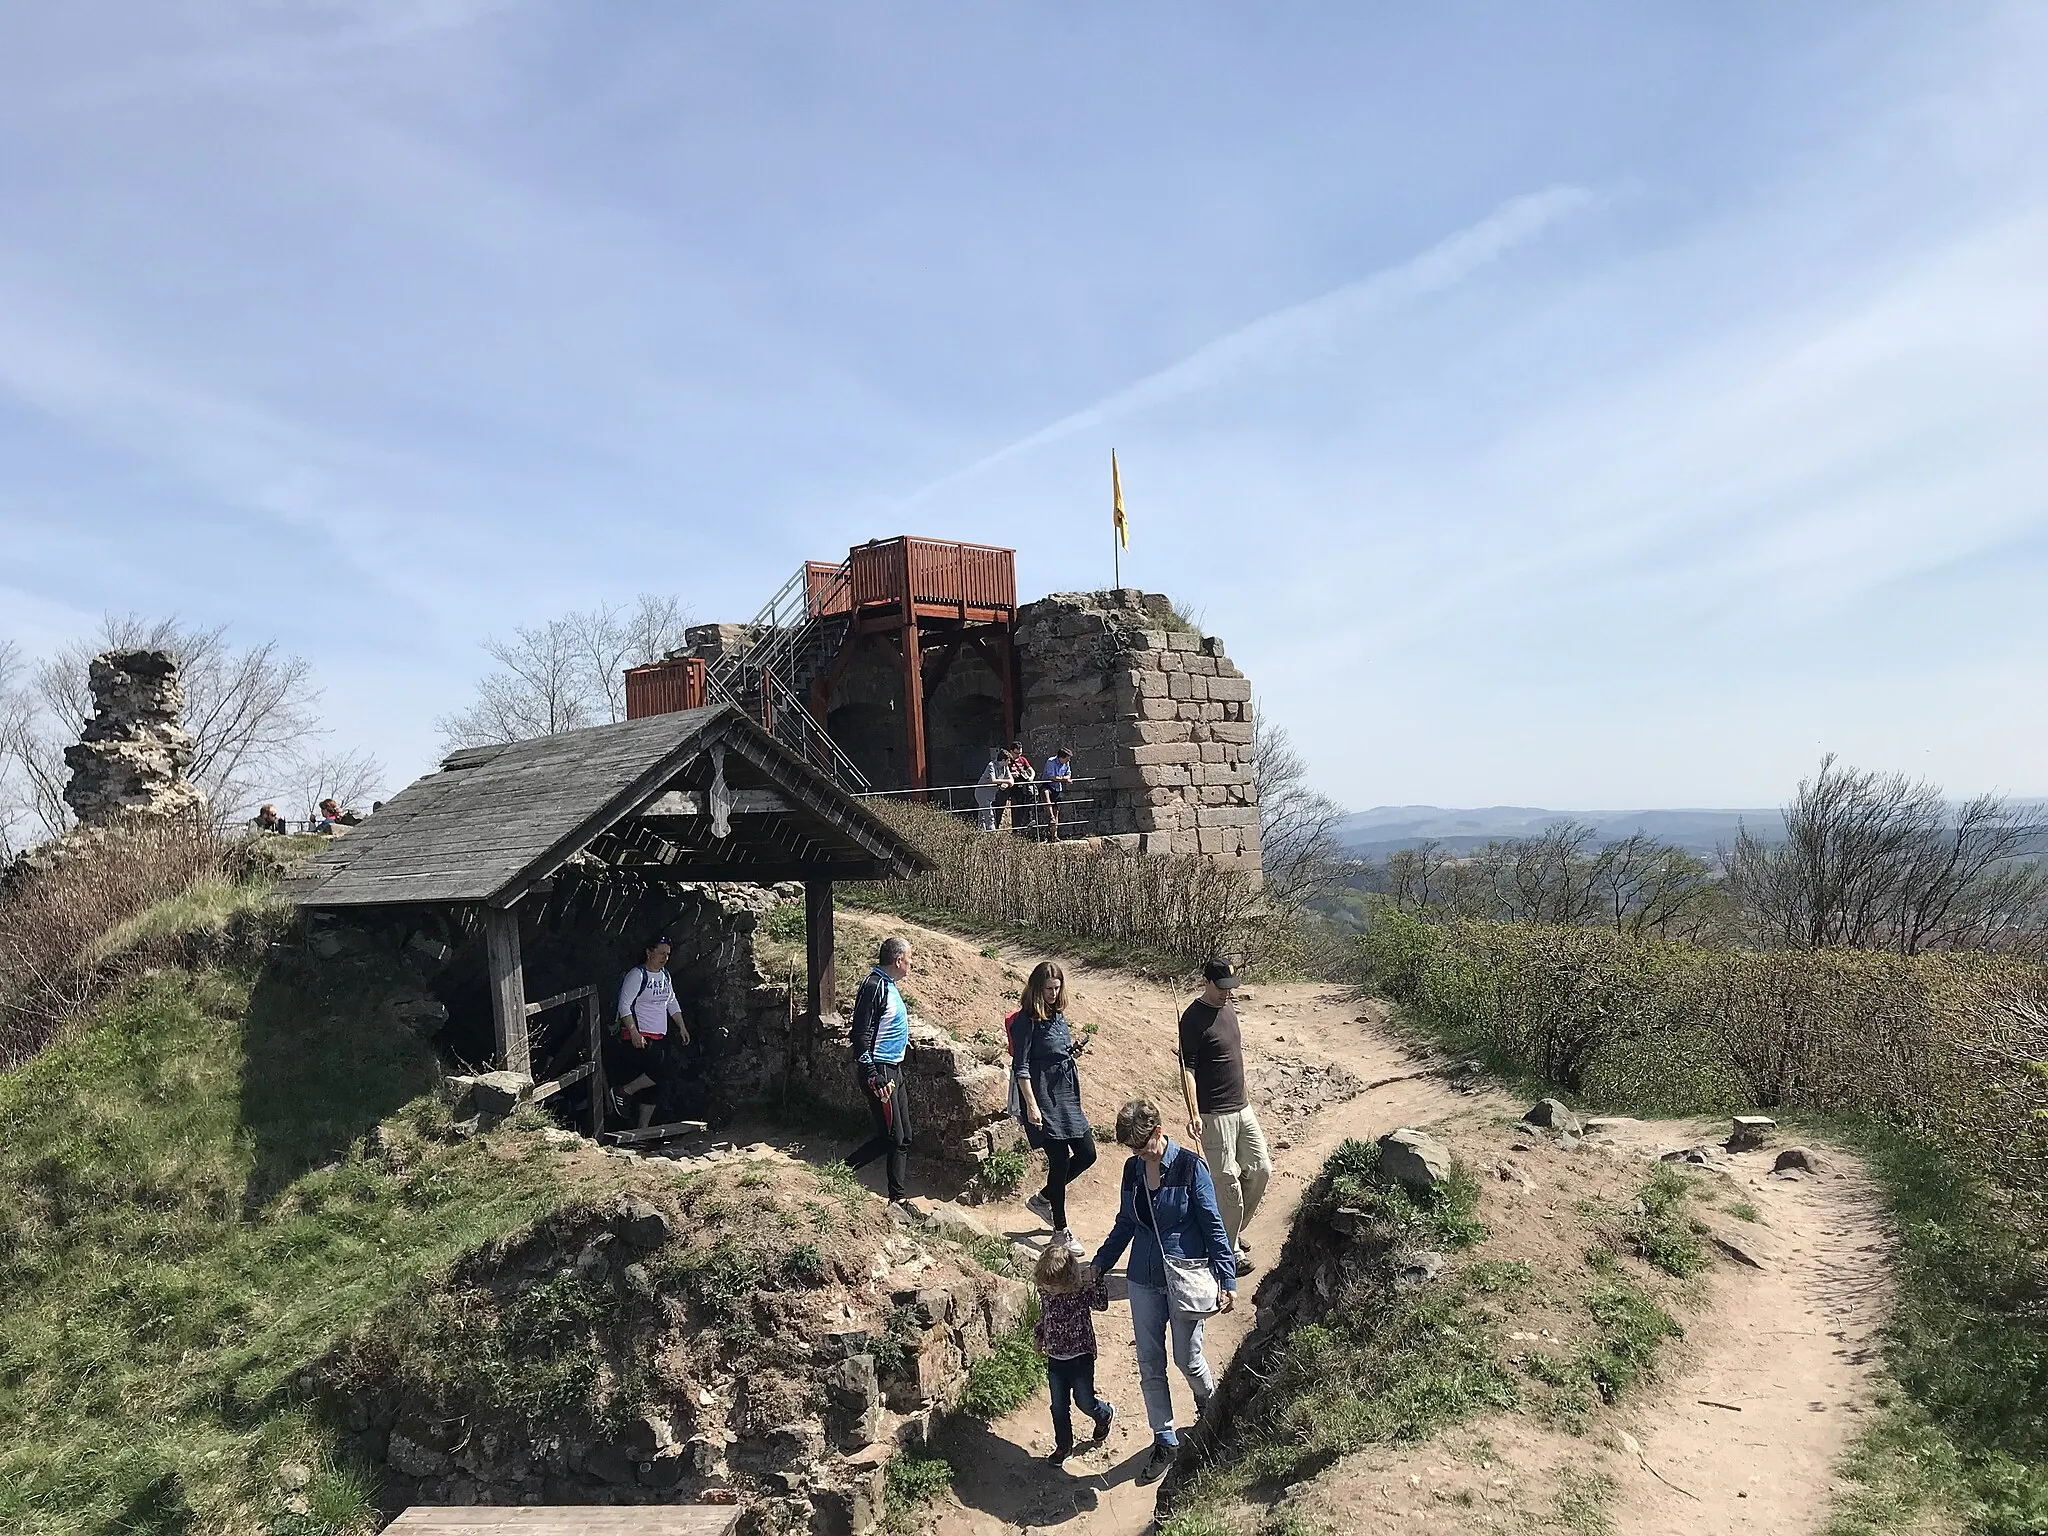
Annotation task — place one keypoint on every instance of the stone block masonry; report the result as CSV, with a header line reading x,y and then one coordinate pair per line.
x,y
1157,714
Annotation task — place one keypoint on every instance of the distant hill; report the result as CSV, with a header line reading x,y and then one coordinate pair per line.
x,y
1386,828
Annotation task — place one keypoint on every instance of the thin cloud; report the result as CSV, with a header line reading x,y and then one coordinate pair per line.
x,y
1276,341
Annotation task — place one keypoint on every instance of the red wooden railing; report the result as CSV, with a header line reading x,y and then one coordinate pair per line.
x,y
825,589
664,687
933,571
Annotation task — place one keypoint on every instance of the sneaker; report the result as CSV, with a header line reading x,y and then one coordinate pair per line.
x,y
1102,1422
1245,1265
908,1207
1158,1463
1244,1245
1065,1239
1040,1207
1058,1456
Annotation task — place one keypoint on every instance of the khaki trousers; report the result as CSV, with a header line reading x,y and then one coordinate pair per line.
x,y
1239,1163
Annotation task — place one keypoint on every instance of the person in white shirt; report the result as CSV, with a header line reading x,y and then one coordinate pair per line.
x,y
650,1028
994,786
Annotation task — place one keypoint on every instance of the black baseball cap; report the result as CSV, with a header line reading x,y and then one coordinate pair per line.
x,y
1221,972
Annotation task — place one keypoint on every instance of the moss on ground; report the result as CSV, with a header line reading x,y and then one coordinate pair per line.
x,y
196,1214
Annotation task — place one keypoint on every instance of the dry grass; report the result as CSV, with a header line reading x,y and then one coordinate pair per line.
x,y
1175,910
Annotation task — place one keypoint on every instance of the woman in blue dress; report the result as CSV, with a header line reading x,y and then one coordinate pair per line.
x,y
1042,1052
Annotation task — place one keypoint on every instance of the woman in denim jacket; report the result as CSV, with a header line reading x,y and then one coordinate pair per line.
x,y
1177,1182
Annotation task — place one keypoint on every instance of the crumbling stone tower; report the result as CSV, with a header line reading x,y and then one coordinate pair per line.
x,y
1156,708
135,753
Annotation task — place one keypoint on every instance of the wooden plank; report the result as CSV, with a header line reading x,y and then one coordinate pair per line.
x,y
508,989
593,1028
558,999
648,1136
553,1086
569,1520
820,957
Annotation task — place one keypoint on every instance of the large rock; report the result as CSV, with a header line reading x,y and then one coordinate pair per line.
x,y
642,1223
1414,1159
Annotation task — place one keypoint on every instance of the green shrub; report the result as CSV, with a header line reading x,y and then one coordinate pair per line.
x,y
1003,1170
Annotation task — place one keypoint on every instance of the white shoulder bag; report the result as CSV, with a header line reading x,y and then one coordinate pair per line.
x,y
1191,1288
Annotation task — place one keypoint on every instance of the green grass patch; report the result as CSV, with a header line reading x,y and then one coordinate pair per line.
x,y
1005,1379
194,1216
1662,1234
913,1480
1629,1327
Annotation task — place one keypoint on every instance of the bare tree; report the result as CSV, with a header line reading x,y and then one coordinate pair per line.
x,y
17,713
1881,861
1297,826
249,710
565,674
349,778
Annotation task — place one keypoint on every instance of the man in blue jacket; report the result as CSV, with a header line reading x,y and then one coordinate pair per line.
x,y
881,1039
1167,1212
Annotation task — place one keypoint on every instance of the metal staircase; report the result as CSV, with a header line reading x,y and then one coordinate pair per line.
x,y
789,642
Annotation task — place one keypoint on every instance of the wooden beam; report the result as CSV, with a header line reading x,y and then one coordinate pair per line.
x,y
557,1000
690,802
554,1086
508,988
820,950
648,1135
593,1025
768,872
913,703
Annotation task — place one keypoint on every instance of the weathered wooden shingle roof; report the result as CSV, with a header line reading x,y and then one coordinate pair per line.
x,y
640,794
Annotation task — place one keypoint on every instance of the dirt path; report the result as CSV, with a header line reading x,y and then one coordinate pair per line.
x,y
1743,1432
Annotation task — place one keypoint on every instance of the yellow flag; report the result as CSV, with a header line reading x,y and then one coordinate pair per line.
x,y
1116,492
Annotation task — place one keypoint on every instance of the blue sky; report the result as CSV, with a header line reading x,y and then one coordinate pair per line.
x,y
1571,405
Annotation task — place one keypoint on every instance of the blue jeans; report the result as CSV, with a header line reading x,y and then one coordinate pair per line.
x,y
1073,1386
1149,1324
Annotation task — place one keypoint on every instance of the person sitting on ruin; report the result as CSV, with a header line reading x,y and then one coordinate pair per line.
x,y
1059,778
643,1063
994,787
267,820
330,821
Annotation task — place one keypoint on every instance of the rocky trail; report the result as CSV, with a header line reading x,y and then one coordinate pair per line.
x,y
1741,1429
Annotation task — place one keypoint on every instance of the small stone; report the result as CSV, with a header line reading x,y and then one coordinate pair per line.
x,y
639,1281
642,1224
1553,1114
294,1475
592,1265
1751,1131
499,1093
1508,1173
1418,1269
1797,1160
1415,1159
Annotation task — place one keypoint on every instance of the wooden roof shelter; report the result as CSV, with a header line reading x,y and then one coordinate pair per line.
x,y
703,794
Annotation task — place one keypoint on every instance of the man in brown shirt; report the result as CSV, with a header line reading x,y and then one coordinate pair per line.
x,y
1220,1115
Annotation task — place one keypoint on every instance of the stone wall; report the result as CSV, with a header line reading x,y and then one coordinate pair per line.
x,y
135,752
1158,710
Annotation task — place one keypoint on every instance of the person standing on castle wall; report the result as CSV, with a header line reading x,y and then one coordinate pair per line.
x,y
1059,777
993,789
881,1039
1023,789
1220,1114
643,1064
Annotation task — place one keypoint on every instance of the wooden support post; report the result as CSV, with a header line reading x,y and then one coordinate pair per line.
x,y
508,988
593,1026
820,950
913,702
